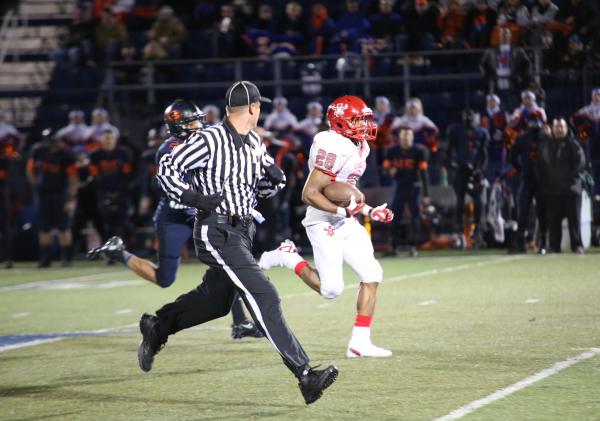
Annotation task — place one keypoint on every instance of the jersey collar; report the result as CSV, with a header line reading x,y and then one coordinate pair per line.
x,y
238,139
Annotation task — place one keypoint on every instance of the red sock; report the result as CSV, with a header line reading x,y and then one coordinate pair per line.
x,y
363,321
300,266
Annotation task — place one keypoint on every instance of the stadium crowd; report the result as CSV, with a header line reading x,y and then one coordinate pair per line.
x,y
88,173
104,30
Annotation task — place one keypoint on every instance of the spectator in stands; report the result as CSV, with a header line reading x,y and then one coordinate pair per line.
x,y
52,173
495,120
313,123
226,33
426,133
8,133
320,29
264,20
543,13
587,123
560,161
204,14
293,22
575,58
384,118
281,120
551,53
166,36
513,14
74,134
452,25
407,164
528,109
212,115
580,16
109,35
76,47
111,166
481,20
311,79
100,122
387,24
467,153
421,20
351,27
508,69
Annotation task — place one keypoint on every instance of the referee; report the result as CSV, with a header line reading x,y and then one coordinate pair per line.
x,y
230,167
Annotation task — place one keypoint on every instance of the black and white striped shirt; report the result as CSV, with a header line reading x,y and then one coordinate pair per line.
x,y
220,160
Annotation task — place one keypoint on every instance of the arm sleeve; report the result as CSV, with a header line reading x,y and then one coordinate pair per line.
x,y
192,154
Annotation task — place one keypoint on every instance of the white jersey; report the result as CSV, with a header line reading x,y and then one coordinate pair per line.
x,y
340,158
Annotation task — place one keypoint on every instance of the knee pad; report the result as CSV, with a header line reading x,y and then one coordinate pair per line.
x,y
332,290
166,271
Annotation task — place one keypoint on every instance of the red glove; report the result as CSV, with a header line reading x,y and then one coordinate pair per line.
x,y
352,209
381,214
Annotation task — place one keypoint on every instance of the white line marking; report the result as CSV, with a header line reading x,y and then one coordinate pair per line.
x,y
22,314
124,311
532,301
427,303
323,305
84,278
388,280
550,371
30,343
67,335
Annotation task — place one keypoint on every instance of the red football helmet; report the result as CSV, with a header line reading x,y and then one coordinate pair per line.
x,y
351,117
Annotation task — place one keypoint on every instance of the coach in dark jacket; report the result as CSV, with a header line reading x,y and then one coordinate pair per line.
x,y
560,160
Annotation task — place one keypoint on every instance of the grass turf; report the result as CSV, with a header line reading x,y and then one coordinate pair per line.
x,y
460,328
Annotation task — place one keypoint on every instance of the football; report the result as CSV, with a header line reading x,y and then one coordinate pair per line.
x,y
340,193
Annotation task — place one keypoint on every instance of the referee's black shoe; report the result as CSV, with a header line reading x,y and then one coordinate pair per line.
x,y
150,344
313,382
245,330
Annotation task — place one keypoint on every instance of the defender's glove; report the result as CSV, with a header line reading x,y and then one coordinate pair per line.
x,y
381,214
352,209
205,203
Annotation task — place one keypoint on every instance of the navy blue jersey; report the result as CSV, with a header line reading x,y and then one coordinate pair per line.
x,y
467,146
524,153
410,164
167,211
51,166
112,169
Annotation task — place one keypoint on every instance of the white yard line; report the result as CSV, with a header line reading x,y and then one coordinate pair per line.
x,y
41,341
388,280
83,278
526,382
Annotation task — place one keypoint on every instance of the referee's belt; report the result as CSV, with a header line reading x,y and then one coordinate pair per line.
x,y
217,218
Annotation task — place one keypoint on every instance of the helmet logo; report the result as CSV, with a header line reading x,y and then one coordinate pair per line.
x,y
175,115
339,109
366,110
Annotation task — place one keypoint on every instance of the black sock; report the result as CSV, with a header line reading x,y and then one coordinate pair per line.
x,y
46,253
237,311
66,253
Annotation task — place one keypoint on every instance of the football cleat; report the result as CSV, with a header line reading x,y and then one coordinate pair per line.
x,y
286,255
111,250
358,350
313,382
245,330
150,344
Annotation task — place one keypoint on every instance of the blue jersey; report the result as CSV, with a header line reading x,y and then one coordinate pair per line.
x,y
166,211
468,146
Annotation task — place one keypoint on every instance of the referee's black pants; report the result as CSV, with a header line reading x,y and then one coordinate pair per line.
x,y
226,249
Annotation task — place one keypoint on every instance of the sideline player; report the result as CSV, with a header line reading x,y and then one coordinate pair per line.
x,y
174,223
335,235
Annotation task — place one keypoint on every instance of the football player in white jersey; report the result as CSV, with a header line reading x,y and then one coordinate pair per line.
x,y
339,154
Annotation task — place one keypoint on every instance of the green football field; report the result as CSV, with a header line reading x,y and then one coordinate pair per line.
x,y
462,327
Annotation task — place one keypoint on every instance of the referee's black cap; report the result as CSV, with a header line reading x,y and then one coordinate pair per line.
x,y
243,93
